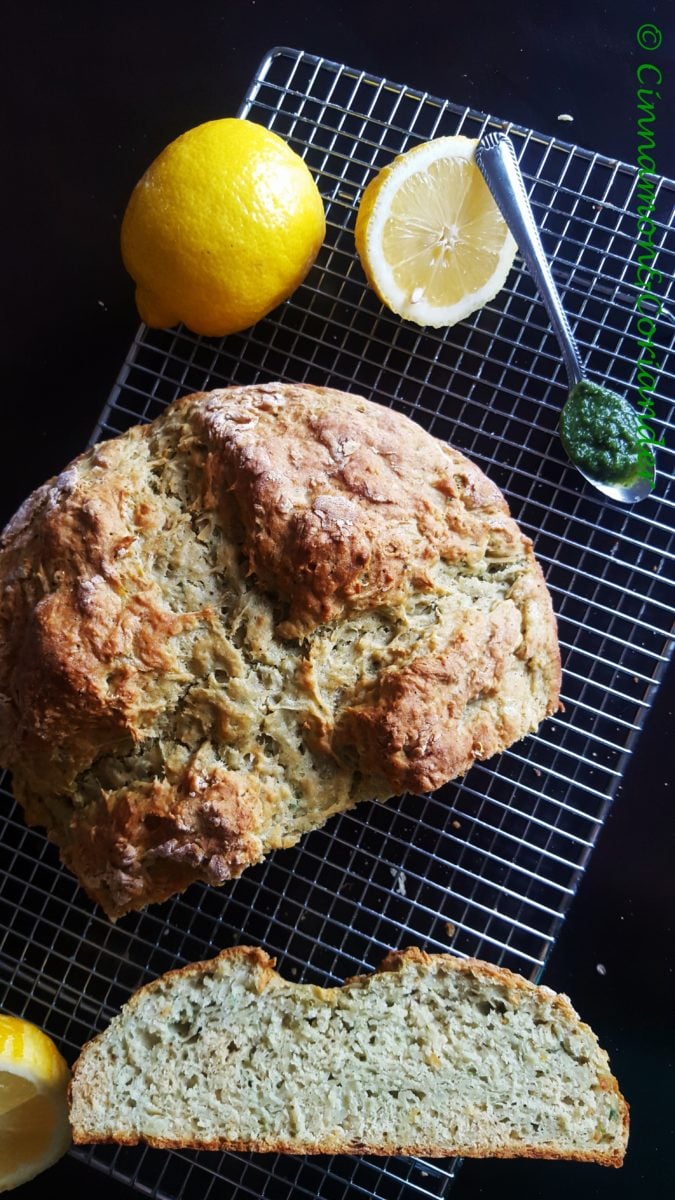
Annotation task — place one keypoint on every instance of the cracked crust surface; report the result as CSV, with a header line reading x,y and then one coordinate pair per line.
x,y
220,629
430,1055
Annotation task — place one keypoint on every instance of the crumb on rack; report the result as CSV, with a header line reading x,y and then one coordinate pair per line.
x,y
399,878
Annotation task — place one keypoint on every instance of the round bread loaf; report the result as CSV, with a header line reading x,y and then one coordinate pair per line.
x,y
220,629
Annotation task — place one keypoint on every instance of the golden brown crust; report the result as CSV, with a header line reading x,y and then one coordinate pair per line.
x,y
339,509
162,594
413,719
200,828
394,961
89,633
612,1158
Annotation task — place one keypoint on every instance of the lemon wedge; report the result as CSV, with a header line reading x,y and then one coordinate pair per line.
x,y
431,239
34,1127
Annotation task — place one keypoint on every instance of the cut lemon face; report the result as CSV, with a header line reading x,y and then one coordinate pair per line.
x,y
431,239
34,1128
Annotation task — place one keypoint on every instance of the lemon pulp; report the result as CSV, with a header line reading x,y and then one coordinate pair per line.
x,y
431,239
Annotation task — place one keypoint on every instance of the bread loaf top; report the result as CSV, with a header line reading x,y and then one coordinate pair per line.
x,y
221,628
430,1055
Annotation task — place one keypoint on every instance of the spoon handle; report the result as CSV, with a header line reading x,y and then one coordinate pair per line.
x,y
497,162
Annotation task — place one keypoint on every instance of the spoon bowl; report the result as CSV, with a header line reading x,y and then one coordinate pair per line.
x,y
625,493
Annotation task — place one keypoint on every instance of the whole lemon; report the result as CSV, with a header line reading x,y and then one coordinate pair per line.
x,y
221,228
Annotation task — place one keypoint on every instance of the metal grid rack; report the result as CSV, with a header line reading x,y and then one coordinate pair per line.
x,y
488,865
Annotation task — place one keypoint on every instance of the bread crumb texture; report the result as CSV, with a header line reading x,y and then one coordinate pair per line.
x,y
430,1055
220,629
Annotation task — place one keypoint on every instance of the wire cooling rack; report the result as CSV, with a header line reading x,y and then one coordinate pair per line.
x,y
488,865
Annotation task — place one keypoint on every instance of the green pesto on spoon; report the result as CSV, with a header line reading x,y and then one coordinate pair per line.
x,y
599,429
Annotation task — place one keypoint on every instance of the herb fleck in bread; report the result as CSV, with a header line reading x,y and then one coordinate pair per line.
x,y
430,1055
220,629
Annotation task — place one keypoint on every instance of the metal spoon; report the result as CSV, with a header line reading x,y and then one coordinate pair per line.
x,y
496,159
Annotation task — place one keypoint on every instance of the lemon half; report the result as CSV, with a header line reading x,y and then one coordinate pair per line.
x,y
223,226
430,237
34,1128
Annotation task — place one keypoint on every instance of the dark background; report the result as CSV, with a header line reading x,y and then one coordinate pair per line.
x,y
90,94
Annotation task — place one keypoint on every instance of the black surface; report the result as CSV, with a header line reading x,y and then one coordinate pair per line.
x,y
91,93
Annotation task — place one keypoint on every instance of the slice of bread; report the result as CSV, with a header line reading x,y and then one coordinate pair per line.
x,y
430,1055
